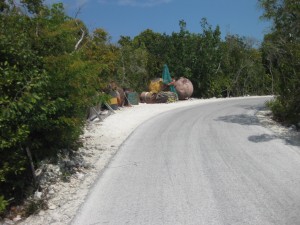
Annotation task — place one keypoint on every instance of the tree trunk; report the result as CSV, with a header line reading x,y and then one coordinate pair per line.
x,y
29,157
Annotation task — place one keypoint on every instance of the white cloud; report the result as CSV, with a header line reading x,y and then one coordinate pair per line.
x,y
135,3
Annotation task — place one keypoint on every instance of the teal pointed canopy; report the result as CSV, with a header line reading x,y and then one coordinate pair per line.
x,y
167,78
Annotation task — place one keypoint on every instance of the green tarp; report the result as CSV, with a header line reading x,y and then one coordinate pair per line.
x,y
167,78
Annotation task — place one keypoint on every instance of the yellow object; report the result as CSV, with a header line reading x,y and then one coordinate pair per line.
x,y
156,85
113,101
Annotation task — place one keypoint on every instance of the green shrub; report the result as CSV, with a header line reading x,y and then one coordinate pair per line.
x,y
3,204
278,110
46,88
284,111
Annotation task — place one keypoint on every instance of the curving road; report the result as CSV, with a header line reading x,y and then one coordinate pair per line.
x,y
211,164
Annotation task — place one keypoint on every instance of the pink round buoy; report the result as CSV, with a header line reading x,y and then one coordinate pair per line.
x,y
184,88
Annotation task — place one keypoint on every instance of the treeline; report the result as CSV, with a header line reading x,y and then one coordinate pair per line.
x,y
52,69
216,67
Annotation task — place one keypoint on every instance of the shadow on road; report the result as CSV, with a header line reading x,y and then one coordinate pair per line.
x,y
290,138
253,107
241,119
262,138
287,138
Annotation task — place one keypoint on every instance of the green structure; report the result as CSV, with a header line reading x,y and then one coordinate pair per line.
x,y
167,78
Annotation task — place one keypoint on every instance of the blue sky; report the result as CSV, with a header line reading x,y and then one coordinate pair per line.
x,y
131,17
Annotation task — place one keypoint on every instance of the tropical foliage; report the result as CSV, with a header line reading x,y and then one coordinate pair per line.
x,y
281,51
52,68
47,83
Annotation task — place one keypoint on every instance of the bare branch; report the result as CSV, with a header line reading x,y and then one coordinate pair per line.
x,y
80,40
218,68
82,31
78,11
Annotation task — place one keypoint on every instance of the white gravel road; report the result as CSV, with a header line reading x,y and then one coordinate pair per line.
x,y
101,142
207,164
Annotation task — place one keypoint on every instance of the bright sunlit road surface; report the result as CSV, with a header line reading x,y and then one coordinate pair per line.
x,y
202,165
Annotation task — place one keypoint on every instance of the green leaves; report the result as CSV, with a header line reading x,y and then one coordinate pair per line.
x,y
45,89
281,51
3,202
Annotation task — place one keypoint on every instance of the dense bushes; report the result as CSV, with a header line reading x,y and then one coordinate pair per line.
x,y
23,80
281,51
46,87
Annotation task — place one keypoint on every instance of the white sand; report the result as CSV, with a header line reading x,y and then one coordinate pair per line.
x,y
116,128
